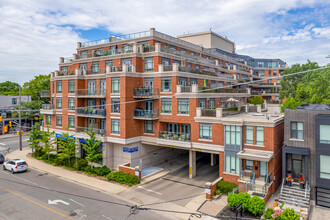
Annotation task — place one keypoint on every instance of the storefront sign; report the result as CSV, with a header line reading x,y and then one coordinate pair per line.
x,y
130,150
82,140
61,137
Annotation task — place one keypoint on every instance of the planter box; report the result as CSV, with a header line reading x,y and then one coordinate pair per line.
x,y
289,183
302,185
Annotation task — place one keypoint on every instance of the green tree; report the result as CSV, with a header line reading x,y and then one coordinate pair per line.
x,y
35,140
49,140
34,86
305,88
29,110
256,100
9,88
68,145
92,146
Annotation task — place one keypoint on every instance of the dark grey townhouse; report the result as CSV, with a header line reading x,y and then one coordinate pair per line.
x,y
306,150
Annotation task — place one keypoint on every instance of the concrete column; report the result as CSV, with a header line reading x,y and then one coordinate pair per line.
x,y
52,74
178,88
194,88
84,72
249,90
212,160
198,112
107,69
78,44
57,72
218,112
265,103
61,60
152,31
175,67
135,48
157,47
74,56
217,62
192,164
160,68
234,67
235,77
76,71
133,68
141,49
247,109
245,62
125,68
251,71
259,108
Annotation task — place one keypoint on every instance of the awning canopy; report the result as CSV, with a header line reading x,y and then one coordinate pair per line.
x,y
257,155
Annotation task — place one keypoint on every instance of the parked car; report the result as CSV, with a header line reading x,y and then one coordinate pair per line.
x,y
16,165
2,159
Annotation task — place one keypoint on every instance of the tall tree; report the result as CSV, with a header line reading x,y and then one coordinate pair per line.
x,y
256,100
92,146
68,145
49,140
305,88
35,140
34,86
9,88
29,110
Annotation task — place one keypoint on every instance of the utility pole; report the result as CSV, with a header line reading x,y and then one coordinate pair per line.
x,y
19,115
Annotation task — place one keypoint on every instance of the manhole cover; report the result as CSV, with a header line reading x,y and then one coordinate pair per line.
x,y
72,214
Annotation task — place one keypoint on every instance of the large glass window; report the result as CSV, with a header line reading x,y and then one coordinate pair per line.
x,y
14,101
58,103
58,86
71,121
324,167
84,54
115,106
233,135
71,103
325,134
183,106
261,73
212,103
248,164
165,61
58,120
149,127
205,131
193,81
166,85
260,136
297,130
115,126
249,134
149,64
232,164
48,120
71,86
115,85
95,67
64,70
167,106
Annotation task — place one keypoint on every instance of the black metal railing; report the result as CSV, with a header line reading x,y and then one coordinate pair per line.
x,y
146,92
174,136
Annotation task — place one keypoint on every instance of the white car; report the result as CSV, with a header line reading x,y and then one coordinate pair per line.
x,y
16,165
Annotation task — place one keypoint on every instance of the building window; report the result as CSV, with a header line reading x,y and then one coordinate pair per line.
x,y
248,164
48,120
84,54
58,103
71,121
324,167
325,134
115,126
95,68
115,106
205,131
115,85
261,73
167,106
183,106
260,136
58,86
165,61
71,86
297,130
14,101
58,120
212,103
249,134
233,135
64,70
71,104
166,85
149,64
232,164
149,127
193,81
172,47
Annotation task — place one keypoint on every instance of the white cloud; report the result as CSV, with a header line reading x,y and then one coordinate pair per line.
x,y
35,33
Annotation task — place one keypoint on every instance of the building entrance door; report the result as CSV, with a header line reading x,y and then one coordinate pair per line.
x,y
296,166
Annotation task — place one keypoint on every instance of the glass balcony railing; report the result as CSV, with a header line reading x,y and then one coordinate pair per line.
x,y
47,107
45,93
149,114
105,53
90,92
145,92
209,112
98,131
91,112
174,136
213,90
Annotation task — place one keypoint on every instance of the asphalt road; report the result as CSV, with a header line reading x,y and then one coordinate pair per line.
x,y
12,142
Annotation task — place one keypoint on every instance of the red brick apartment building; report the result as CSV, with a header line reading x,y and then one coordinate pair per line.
x,y
150,96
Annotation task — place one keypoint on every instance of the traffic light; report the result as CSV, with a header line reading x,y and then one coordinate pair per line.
x,y
10,124
6,128
0,118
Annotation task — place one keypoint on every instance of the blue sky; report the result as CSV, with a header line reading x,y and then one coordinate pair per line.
x,y
34,34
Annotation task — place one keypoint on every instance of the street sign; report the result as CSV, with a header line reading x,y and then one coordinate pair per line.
x,y
238,209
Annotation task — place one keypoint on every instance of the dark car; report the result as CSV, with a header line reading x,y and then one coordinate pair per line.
x,y
2,159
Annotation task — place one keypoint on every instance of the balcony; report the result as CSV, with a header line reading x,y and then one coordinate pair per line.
x,y
146,49
98,131
146,114
223,90
174,136
216,113
209,113
111,52
47,109
45,93
146,92
91,112
89,93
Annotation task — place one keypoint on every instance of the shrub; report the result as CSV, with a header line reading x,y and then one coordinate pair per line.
x,y
87,169
226,187
217,192
289,214
233,200
81,163
123,178
244,198
256,205
101,171
268,214
59,161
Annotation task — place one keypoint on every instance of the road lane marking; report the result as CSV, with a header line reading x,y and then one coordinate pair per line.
x,y
149,190
106,217
54,202
25,180
45,207
77,202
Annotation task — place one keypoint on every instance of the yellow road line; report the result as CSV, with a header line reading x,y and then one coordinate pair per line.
x,y
35,202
